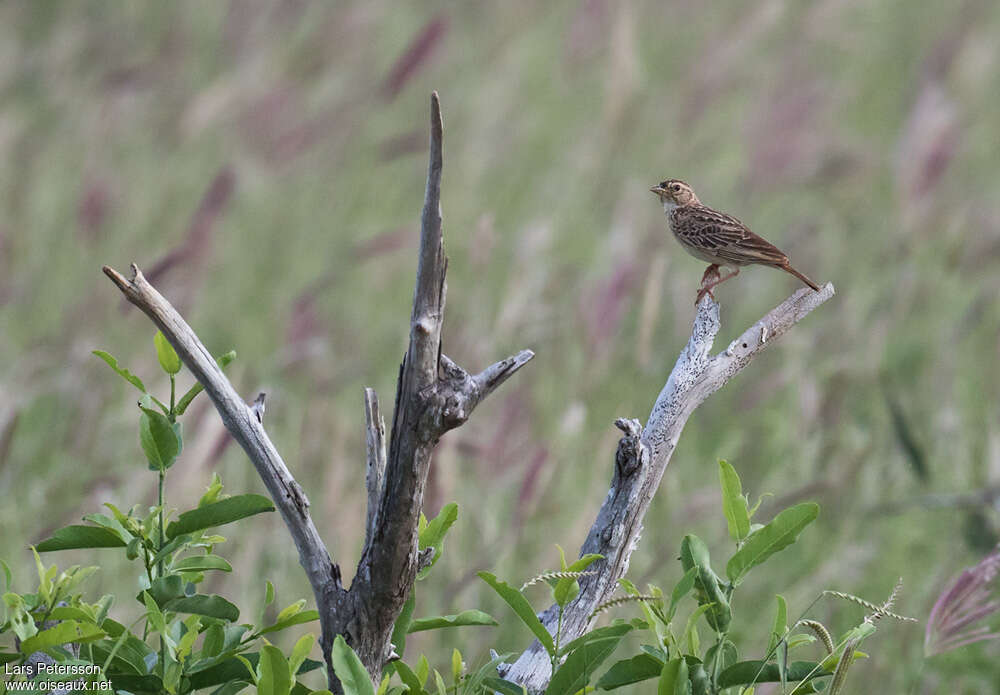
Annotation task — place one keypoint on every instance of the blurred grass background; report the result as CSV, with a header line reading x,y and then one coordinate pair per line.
x,y
263,161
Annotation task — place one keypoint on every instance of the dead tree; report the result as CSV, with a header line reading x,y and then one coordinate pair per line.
x,y
435,395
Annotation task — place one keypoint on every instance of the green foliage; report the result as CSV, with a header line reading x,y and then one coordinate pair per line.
x,y
161,441
183,640
775,536
734,504
675,656
166,355
522,609
219,513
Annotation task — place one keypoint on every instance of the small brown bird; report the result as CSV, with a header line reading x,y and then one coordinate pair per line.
x,y
717,238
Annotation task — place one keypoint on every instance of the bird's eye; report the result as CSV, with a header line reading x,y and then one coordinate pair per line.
x,y
675,187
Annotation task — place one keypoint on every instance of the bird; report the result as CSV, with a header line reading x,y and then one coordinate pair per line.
x,y
717,238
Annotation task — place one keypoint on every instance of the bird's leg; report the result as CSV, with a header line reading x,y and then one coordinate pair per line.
x,y
708,285
711,272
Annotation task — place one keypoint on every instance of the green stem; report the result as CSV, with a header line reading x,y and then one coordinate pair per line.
x,y
161,540
159,547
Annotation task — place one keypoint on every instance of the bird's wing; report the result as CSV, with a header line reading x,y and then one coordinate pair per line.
x,y
736,243
707,229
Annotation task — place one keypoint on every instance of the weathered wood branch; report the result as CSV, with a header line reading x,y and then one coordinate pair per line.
x,y
433,396
642,458
375,448
245,424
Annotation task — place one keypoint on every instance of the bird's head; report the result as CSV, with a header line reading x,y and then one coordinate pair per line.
x,y
674,193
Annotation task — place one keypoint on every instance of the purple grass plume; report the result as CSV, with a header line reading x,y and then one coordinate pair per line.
x,y
970,599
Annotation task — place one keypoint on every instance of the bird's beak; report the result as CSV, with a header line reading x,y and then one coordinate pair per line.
x,y
658,190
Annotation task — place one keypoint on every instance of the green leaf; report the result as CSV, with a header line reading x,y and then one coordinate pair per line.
x,y
423,670
186,399
275,676
409,678
724,651
583,661
19,616
701,684
109,523
268,593
232,687
349,669
236,668
673,678
203,604
779,534
159,440
300,651
201,563
79,536
432,535
567,589
297,619
214,636
522,609
617,629
442,688
121,371
639,668
780,623
8,577
456,666
290,610
467,617
734,504
504,687
747,672
63,633
708,587
164,589
474,683
219,513
691,629
186,642
681,590
166,354
72,613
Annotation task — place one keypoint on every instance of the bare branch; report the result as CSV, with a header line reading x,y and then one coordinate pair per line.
x,y
494,375
642,459
429,292
433,395
243,423
375,447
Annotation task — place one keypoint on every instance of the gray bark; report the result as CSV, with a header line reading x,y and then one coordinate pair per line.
x,y
642,458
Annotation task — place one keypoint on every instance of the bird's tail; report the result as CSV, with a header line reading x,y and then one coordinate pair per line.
x,y
789,269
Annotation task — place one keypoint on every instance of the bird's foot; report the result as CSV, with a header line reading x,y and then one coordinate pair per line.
x,y
709,279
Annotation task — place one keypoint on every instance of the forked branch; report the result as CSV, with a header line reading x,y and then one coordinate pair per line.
x,y
642,457
433,395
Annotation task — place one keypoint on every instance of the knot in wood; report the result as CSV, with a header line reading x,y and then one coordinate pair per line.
x,y
631,454
454,411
